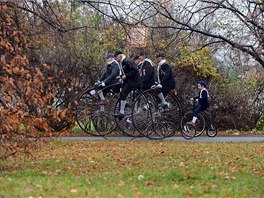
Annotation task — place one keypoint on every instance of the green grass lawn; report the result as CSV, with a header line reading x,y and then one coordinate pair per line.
x,y
136,169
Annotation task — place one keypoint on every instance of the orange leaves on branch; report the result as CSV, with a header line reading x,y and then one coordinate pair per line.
x,y
16,70
16,39
39,73
3,60
41,124
4,7
50,96
62,113
47,67
49,79
25,61
11,82
28,92
3,43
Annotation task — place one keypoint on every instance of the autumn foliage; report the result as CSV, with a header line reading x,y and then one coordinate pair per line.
x,y
26,92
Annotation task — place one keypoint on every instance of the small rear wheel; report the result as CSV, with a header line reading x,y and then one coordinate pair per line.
x,y
211,131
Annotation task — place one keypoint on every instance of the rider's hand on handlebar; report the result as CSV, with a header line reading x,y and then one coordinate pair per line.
x,y
159,86
97,83
103,84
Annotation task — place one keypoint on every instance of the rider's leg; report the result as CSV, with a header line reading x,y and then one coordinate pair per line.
x,y
160,95
196,110
101,95
122,106
123,95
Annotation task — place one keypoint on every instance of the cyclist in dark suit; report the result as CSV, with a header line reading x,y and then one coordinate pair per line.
x,y
166,81
131,78
109,77
147,72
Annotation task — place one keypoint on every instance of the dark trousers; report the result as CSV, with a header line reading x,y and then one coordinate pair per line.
x,y
125,91
197,109
115,88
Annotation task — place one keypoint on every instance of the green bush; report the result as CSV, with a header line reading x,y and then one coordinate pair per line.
x,y
260,124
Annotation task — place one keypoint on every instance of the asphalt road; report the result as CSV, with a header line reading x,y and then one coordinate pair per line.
x,y
248,138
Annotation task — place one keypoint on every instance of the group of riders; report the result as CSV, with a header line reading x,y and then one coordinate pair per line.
x,y
139,73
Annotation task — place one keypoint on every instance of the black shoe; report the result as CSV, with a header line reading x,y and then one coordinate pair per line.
x,y
120,116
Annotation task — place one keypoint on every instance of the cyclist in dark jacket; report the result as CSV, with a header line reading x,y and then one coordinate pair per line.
x,y
202,99
166,81
131,78
147,72
109,77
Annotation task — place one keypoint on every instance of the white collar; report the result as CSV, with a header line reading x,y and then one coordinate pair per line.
x,y
123,57
108,63
202,91
150,61
161,62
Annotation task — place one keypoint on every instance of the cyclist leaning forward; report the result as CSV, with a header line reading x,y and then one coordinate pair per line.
x,y
108,78
166,81
131,78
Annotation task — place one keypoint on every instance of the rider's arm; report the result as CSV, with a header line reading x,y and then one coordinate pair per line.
x,y
103,76
166,73
113,75
133,68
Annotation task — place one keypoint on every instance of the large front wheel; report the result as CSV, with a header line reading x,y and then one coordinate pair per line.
x,y
199,124
92,117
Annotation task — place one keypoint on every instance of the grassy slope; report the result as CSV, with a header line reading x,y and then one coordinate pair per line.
x,y
136,169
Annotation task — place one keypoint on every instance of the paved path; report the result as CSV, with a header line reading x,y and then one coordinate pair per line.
x,y
248,138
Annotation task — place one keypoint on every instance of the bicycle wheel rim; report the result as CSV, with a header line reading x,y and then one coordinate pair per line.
x,y
211,132
84,112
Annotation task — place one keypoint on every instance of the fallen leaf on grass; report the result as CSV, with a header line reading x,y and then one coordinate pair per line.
x,y
229,177
214,186
137,195
45,172
189,193
149,183
121,183
221,173
232,169
73,191
175,186
182,164
38,186
28,190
